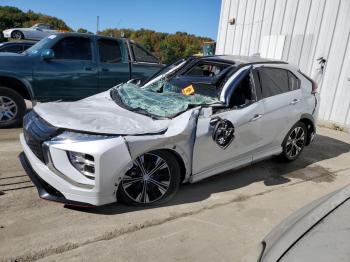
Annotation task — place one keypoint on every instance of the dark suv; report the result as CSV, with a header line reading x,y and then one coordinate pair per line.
x,y
68,66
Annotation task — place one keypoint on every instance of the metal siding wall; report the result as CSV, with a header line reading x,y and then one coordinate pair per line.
x,y
312,28
336,57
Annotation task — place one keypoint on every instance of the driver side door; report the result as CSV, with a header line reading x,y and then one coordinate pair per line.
x,y
210,155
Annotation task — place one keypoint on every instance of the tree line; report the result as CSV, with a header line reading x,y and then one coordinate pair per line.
x,y
168,47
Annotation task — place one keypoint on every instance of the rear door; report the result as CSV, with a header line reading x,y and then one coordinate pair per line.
x,y
71,74
113,69
39,32
281,99
143,64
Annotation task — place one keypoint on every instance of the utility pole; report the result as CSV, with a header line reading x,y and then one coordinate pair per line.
x,y
97,24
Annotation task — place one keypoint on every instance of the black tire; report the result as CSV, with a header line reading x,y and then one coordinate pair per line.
x,y
294,142
130,189
6,96
17,35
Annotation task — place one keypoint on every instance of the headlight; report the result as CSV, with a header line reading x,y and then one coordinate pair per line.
x,y
71,137
84,163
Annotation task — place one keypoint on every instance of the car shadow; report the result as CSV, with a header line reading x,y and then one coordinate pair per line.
x,y
271,172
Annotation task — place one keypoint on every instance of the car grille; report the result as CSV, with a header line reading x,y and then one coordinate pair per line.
x,y
36,131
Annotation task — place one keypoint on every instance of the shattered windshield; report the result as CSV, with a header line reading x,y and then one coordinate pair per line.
x,y
161,98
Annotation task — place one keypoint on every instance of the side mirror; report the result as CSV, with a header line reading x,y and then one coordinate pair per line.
x,y
47,54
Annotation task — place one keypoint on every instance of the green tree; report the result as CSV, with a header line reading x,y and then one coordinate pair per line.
x,y
83,30
168,47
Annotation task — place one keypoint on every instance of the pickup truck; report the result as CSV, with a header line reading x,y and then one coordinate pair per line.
x,y
68,66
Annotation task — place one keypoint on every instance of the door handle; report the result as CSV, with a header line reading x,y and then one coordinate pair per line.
x,y
256,117
295,101
105,70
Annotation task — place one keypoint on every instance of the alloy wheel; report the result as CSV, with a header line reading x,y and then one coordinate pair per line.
x,y
8,109
17,35
148,180
295,142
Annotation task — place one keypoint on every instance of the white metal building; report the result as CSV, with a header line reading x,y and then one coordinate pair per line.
x,y
299,31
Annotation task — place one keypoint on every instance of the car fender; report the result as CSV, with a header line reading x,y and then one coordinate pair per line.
x,y
25,82
178,138
310,117
290,230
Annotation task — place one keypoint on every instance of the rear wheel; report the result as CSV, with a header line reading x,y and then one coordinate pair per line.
x,y
294,142
17,35
12,107
153,179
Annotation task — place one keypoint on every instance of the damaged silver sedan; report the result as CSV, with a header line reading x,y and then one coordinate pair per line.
x,y
195,118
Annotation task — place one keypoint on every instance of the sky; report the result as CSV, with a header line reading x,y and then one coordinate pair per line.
x,y
199,17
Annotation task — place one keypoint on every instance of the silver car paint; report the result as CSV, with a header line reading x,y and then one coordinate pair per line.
x,y
30,33
283,236
99,114
188,135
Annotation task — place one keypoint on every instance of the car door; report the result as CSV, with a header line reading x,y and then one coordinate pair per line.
x,y
210,154
113,68
71,74
281,100
143,63
38,32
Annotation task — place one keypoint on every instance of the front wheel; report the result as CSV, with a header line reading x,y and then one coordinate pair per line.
x,y
153,179
17,35
12,107
294,142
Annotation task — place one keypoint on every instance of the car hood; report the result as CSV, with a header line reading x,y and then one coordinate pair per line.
x,y
99,114
23,29
283,236
12,63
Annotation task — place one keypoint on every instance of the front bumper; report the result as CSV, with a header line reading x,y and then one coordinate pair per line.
x,y
7,34
63,183
46,191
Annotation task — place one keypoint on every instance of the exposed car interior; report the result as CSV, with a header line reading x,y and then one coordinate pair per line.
x,y
243,94
206,70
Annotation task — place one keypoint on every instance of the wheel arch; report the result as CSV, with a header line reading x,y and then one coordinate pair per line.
x,y
17,30
179,159
309,121
20,86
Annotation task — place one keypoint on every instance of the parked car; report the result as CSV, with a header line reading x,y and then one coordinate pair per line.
x,y
36,32
15,47
192,120
317,232
68,66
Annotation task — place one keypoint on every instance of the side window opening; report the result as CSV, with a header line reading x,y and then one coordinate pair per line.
x,y
73,48
244,94
109,51
142,55
293,81
205,70
12,49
